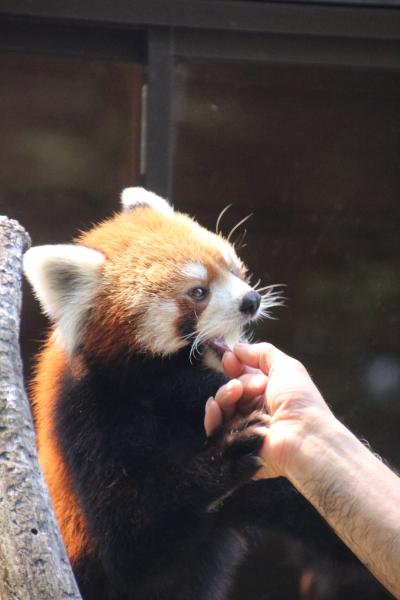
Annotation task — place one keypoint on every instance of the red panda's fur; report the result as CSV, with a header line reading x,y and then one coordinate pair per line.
x,y
112,238
157,267
149,509
141,246
45,388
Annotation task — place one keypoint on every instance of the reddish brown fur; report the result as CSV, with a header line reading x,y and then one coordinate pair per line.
x,y
148,249
45,388
135,269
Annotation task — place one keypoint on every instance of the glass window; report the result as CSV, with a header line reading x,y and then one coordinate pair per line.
x,y
70,141
314,154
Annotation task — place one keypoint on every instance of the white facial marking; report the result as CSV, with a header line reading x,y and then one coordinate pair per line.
x,y
195,270
227,255
222,316
232,288
223,308
211,361
65,279
157,331
137,196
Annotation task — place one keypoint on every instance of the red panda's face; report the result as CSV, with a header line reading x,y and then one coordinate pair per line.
x,y
148,280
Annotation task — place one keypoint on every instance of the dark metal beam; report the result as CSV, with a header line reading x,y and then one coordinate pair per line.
x,y
287,49
282,17
94,42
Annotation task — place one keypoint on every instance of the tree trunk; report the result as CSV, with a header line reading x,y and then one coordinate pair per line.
x,y
33,561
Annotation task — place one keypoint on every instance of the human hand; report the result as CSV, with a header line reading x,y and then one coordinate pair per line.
x,y
241,394
293,402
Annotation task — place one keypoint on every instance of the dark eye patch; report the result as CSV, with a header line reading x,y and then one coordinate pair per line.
x,y
186,324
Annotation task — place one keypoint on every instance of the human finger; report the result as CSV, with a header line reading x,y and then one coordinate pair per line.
x,y
245,407
227,397
233,367
254,384
259,356
213,417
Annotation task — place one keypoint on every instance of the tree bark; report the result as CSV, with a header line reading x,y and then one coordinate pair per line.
x,y
33,560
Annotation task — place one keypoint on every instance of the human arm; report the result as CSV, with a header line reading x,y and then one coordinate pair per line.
x,y
351,488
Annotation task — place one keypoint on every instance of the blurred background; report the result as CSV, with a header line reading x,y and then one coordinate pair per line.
x,y
289,111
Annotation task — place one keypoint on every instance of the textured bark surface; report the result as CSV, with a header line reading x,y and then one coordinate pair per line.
x,y
33,561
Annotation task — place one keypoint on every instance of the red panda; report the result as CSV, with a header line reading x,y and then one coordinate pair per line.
x,y
141,306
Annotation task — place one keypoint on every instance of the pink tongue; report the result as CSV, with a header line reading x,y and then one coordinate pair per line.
x,y
219,345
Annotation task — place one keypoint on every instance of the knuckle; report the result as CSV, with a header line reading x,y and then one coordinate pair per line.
x,y
298,366
264,347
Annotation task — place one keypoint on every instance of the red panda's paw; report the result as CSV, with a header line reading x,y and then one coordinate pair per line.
x,y
240,441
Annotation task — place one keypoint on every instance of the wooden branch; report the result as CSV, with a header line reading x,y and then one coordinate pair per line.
x,y
33,560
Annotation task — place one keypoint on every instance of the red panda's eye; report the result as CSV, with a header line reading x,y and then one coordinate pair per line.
x,y
199,293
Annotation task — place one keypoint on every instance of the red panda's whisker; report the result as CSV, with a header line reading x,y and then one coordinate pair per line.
x,y
238,225
189,335
268,287
268,302
195,347
221,214
238,244
249,337
271,295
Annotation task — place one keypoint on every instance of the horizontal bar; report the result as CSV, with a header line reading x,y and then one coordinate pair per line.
x,y
269,17
288,49
83,41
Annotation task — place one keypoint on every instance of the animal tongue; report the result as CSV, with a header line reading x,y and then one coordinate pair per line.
x,y
219,345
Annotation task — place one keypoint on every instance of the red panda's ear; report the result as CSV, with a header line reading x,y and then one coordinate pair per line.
x,y
65,279
134,197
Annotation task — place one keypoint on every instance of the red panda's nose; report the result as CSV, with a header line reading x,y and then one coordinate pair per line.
x,y
250,303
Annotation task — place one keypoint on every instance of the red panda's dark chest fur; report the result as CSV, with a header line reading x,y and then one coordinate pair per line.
x,y
132,437
167,514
